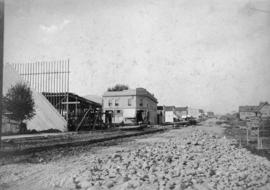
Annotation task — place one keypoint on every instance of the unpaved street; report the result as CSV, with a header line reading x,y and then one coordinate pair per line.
x,y
190,158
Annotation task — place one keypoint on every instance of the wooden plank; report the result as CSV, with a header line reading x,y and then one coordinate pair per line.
x,y
71,102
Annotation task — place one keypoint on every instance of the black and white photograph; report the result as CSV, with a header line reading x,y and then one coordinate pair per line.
x,y
135,94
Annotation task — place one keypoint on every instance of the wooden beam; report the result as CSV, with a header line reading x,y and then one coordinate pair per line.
x,y
79,125
70,102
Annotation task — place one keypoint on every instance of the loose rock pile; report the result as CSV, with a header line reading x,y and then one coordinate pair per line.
x,y
196,161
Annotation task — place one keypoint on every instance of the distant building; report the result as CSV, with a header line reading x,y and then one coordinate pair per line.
x,y
193,112
181,112
130,106
246,112
210,114
264,109
166,114
202,114
170,115
184,112
160,115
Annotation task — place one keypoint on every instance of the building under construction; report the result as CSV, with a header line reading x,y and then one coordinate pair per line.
x,y
52,80
80,112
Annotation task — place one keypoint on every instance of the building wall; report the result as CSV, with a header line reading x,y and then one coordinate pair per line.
x,y
147,104
182,114
169,116
124,109
193,112
122,106
245,115
265,111
161,116
210,114
122,102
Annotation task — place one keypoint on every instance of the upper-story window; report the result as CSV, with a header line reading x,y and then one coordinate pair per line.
x,y
129,101
110,102
141,102
116,102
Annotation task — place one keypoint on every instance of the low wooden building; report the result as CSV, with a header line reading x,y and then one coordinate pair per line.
x,y
77,110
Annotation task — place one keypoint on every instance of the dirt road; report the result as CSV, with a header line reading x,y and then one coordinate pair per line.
x,y
190,158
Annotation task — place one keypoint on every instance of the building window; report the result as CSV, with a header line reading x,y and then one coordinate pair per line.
x,y
118,112
129,102
110,102
116,102
141,102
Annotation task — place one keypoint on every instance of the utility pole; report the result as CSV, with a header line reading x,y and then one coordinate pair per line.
x,y
2,8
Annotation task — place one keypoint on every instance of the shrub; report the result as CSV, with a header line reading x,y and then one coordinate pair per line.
x,y
118,87
19,103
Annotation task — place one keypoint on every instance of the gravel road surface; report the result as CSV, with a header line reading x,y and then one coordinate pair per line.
x,y
191,158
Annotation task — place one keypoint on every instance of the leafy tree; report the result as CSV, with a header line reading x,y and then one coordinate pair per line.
x,y
19,102
118,87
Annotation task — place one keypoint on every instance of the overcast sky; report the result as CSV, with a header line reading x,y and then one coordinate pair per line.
x,y
208,54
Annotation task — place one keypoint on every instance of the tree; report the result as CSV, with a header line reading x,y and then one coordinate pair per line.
x,y
19,103
118,87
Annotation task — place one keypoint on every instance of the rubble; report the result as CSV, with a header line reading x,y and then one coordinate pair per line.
x,y
199,160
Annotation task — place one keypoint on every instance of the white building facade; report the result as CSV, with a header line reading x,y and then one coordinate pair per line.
x,y
130,106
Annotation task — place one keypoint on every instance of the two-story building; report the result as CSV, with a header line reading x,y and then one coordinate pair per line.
x,y
130,106
246,112
262,111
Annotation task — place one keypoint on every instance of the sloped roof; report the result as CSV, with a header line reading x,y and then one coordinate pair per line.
x,y
261,105
169,108
72,96
248,108
94,98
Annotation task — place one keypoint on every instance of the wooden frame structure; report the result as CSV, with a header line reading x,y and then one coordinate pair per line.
x,y
81,111
52,80
48,77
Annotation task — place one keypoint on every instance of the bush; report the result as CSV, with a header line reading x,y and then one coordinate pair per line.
x,y
20,104
118,87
